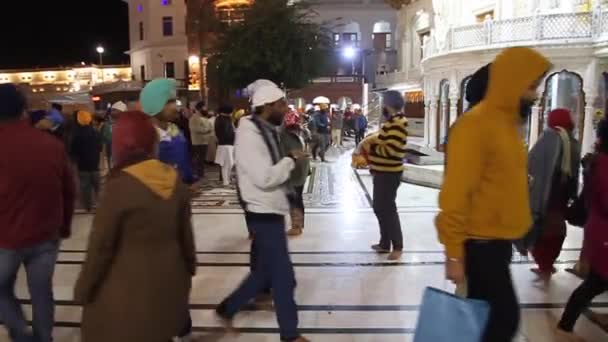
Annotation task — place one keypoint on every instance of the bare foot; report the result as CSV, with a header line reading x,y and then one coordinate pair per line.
x,y
302,339
263,299
295,232
227,324
568,336
542,276
395,256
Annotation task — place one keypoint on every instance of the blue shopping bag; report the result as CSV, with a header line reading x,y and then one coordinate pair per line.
x,y
448,318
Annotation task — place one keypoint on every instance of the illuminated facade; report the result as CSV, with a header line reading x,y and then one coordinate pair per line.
x,y
157,34
66,80
70,86
444,41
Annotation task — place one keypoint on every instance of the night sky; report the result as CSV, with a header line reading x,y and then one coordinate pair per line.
x,y
48,33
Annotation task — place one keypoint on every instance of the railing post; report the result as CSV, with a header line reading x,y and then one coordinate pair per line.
x,y
450,42
488,30
538,25
597,24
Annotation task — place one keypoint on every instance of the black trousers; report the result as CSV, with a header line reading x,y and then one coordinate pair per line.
x,y
487,265
199,154
298,198
320,145
359,135
385,208
593,286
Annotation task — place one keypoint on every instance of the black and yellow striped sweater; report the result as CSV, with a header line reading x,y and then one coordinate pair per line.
x,y
387,152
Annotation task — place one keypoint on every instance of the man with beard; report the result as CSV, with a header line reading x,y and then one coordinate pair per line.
x,y
484,200
159,101
262,172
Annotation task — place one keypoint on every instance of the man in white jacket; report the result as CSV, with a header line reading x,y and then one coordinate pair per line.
x,y
262,172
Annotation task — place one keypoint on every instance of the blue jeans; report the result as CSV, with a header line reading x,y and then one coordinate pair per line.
x,y
273,269
39,262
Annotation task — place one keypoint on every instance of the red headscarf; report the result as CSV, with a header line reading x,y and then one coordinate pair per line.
x,y
292,118
134,139
561,118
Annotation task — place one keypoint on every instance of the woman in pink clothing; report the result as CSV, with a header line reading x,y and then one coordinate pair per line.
x,y
596,237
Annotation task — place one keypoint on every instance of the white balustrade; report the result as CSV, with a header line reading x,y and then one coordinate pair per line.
x,y
512,30
533,30
566,26
468,36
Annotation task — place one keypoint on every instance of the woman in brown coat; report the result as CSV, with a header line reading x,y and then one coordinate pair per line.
x,y
136,280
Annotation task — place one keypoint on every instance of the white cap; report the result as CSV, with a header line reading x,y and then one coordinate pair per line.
x,y
266,94
253,87
120,106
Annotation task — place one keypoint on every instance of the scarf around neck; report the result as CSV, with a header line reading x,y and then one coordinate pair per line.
x,y
566,162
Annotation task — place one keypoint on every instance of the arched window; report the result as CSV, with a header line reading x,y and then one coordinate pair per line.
x,y
348,35
382,36
463,106
564,89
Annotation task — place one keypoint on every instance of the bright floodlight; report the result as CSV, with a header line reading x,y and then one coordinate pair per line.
x,y
100,49
348,52
194,59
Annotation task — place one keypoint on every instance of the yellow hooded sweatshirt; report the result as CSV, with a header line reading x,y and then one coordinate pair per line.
x,y
160,178
485,190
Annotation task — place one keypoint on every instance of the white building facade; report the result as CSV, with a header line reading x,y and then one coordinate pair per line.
x,y
367,29
157,32
445,41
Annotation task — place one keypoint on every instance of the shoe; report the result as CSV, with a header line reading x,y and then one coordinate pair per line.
x,y
395,256
567,336
380,249
295,232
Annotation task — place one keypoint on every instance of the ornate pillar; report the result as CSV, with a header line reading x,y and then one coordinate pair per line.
x,y
590,86
534,122
588,128
432,122
427,118
454,98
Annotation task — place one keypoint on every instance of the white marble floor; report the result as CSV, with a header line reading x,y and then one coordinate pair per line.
x,y
345,292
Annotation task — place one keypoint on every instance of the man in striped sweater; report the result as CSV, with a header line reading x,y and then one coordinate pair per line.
x,y
386,162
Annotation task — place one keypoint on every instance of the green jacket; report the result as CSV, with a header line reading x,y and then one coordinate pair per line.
x,y
291,141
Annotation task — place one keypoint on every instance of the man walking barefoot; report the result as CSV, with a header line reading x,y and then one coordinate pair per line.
x,y
484,200
262,171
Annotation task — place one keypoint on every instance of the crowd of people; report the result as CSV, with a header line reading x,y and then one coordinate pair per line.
x,y
142,245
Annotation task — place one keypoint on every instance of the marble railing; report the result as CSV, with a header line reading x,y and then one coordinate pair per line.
x,y
535,30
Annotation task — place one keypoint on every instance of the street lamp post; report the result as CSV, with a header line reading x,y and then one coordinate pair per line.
x,y
100,51
350,53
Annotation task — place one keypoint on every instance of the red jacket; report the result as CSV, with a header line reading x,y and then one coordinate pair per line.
x,y
596,229
36,187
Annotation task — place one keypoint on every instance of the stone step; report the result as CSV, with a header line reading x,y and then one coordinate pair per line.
x,y
424,176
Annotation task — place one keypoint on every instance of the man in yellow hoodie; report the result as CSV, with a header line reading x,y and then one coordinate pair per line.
x,y
484,199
